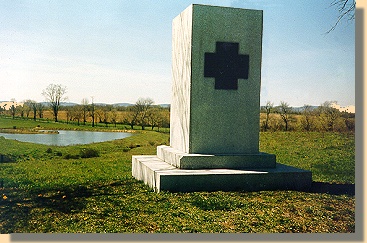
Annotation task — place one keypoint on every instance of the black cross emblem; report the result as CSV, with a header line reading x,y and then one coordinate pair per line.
x,y
226,65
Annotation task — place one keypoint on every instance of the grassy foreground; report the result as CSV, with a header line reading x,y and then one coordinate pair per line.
x,y
52,189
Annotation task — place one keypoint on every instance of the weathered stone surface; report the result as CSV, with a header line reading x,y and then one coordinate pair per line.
x,y
206,120
181,80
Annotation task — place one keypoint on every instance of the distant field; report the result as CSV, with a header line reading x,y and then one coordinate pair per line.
x,y
8,122
53,189
296,122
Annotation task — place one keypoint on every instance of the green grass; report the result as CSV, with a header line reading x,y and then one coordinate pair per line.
x,y
330,156
45,191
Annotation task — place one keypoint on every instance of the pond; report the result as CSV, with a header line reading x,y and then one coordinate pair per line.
x,y
64,138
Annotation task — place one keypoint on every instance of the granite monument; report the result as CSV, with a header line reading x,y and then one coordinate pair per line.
x,y
215,109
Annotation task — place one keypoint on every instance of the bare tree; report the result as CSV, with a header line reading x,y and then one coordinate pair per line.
x,y
12,110
78,113
40,108
155,117
346,9
27,107
85,105
69,114
98,114
114,116
268,107
21,110
106,114
284,111
31,105
138,113
141,107
132,116
91,111
308,117
328,115
54,94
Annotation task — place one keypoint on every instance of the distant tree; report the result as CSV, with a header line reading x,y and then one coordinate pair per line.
x,y
69,113
20,110
113,115
268,107
92,111
132,116
308,117
12,110
284,110
85,105
155,117
349,120
99,114
166,117
346,9
328,115
142,107
138,113
31,105
27,107
40,108
106,114
77,113
54,94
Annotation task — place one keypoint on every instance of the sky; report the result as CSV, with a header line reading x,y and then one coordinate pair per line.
x,y
120,51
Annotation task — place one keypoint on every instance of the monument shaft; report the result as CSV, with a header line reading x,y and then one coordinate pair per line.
x,y
216,115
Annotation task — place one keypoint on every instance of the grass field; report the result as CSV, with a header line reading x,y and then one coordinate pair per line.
x,y
52,189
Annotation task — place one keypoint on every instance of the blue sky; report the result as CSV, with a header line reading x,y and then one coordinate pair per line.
x,y
118,51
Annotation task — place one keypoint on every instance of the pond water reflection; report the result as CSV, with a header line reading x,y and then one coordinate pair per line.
x,y
64,138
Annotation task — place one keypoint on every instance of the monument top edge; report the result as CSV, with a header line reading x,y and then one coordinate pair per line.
x,y
218,9
216,6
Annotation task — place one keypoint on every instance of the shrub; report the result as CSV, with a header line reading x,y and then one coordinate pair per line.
x,y
49,150
89,153
134,146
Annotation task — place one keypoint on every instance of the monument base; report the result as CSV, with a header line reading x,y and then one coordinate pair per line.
x,y
162,176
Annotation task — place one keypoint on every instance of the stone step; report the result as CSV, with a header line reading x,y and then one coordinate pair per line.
x,y
215,161
164,177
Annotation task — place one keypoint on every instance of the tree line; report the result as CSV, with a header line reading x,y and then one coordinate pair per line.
x,y
145,114
321,118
